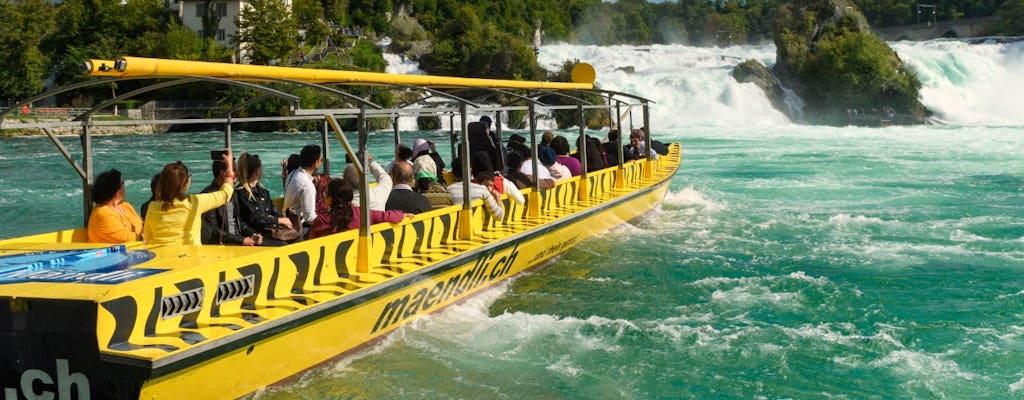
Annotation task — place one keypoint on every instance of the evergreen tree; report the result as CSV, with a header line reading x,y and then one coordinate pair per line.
x,y
25,24
266,31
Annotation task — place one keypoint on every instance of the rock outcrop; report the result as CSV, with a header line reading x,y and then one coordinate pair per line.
x,y
826,54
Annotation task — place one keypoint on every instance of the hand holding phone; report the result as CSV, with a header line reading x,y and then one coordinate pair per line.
x,y
218,155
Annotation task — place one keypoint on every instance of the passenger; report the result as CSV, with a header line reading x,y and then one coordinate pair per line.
x,y
543,174
502,152
287,166
113,219
152,194
491,197
428,185
300,188
402,197
611,148
173,217
378,195
517,144
480,139
561,147
515,174
546,138
635,149
595,153
480,162
222,224
255,204
547,157
402,154
426,147
341,215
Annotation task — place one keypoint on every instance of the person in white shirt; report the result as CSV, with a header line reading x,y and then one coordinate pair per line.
x,y
549,160
476,191
300,190
378,195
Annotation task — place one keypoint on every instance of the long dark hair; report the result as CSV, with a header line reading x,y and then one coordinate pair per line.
x,y
341,196
172,185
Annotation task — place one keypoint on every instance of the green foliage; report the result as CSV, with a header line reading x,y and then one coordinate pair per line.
x,y
266,31
25,24
472,48
593,119
1011,19
835,64
368,56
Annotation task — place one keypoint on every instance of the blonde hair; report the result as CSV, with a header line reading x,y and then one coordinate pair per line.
x,y
248,164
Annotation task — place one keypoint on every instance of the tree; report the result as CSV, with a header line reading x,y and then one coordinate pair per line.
x,y
25,24
266,31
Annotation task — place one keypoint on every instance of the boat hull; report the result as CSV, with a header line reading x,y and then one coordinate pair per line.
x,y
194,321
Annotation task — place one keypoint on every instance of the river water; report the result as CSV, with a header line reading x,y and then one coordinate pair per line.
x,y
786,261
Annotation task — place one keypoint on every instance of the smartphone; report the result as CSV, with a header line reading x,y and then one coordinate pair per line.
x,y
218,155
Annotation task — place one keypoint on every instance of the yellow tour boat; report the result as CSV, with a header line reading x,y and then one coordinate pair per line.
x,y
140,321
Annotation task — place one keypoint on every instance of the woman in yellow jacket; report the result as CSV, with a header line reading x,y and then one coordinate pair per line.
x,y
113,220
176,218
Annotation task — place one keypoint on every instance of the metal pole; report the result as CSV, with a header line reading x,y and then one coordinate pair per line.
x,y
324,144
87,181
227,132
398,135
466,214
584,192
451,134
533,201
363,255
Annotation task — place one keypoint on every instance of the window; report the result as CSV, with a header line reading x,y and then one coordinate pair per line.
x,y
221,9
221,35
200,10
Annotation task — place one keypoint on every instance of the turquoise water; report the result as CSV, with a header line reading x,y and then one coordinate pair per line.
x,y
785,262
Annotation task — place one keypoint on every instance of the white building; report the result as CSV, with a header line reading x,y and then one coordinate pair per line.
x,y
192,12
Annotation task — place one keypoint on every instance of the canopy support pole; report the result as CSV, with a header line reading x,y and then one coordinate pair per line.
x,y
533,198
584,186
466,214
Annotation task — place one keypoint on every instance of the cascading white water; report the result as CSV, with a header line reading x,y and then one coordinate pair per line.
x,y
963,84
969,84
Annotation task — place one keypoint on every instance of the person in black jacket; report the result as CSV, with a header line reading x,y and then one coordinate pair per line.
x,y
221,225
255,206
402,196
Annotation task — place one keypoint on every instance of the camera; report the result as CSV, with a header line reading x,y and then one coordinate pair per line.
x,y
218,155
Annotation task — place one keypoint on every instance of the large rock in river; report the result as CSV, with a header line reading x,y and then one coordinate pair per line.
x,y
843,72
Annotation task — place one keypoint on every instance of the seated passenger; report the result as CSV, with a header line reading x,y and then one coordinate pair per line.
x,y
402,154
427,183
341,215
561,147
547,157
515,173
486,179
113,220
402,197
480,163
173,218
300,188
221,225
255,204
481,140
378,195
636,148
543,174
152,195
611,148
424,147
458,189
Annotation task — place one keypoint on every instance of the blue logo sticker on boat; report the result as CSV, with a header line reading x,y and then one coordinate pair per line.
x,y
107,265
